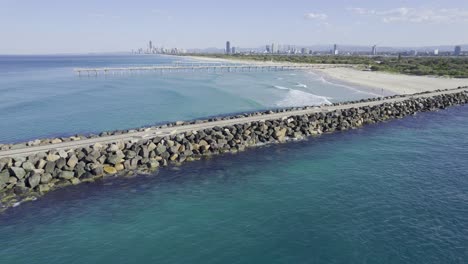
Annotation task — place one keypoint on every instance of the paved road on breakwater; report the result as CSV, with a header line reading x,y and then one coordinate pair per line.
x,y
154,132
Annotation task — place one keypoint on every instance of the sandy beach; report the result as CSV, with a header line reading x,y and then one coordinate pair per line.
x,y
394,83
375,81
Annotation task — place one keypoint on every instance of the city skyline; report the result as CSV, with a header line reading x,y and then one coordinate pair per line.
x,y
82,27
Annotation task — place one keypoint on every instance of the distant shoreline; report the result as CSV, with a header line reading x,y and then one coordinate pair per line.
x,y
378,82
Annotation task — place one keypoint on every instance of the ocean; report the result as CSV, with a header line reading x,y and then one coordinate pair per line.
x,y
42,97
393,192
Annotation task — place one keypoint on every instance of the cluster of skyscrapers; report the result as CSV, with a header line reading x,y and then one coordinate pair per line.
x,y
229,49
151,49
372,51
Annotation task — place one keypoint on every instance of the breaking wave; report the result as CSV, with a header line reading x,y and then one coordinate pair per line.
x,y
280,87
301,85
300,98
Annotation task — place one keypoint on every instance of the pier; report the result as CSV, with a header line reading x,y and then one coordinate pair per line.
x,y
206,68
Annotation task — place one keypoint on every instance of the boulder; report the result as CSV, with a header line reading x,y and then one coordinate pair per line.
x,y
113,148
43,188
63,154
114,159
34,180
41,164
52,157
56,141
46,178
152,146
4,177
80,169
174,157
12,180
18,172
160,149
50,167
281,134
28,166
60,163
109,170
98,171
153,164
144,152
75,181
72,161
119,167
68,175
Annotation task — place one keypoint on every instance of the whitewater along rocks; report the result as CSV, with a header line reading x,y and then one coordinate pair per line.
x,y
22,178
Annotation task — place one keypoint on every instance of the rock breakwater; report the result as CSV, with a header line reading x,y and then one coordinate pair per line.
x,y
25,178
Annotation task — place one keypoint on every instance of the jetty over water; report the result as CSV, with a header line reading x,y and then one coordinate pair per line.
x,y
206,68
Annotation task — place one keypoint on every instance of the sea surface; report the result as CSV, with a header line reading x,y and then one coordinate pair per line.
x,y
394,192
41,96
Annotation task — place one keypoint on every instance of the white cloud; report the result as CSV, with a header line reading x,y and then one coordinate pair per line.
x,y
316,16
415,15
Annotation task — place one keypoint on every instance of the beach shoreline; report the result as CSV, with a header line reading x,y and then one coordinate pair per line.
x,y
379,83
392,82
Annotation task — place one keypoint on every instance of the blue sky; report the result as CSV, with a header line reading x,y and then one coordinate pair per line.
x,y
59,26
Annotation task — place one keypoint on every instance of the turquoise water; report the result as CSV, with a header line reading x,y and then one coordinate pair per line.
x,y
42,97
395,192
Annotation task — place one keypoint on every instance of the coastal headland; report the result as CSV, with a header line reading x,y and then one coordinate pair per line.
x,y
31,169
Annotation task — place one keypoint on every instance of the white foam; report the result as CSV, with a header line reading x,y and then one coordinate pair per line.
x,y
301,85
300,98
280,87
323,80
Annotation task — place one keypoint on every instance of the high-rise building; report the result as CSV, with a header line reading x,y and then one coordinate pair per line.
x,y
335,50
233,50
150,46
457,51
268,49
374,50
305,51
436,52
228,47
273,48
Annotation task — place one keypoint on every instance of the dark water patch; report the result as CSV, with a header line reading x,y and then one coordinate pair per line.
x,y
353,197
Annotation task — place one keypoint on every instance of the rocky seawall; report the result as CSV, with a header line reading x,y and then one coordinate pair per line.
x,y
26,178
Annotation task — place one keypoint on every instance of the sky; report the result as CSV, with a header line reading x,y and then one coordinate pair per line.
x,y
82,26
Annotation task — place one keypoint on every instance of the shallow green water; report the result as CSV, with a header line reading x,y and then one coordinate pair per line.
x,y
389,193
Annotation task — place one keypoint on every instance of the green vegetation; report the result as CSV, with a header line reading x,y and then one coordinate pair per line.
x,y
435,66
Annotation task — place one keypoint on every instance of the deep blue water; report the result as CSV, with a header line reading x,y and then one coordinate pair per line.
x,y
42,97
394,192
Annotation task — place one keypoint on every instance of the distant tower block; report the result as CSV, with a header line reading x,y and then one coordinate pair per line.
x,y
228,47
457,51
374,50
335,50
